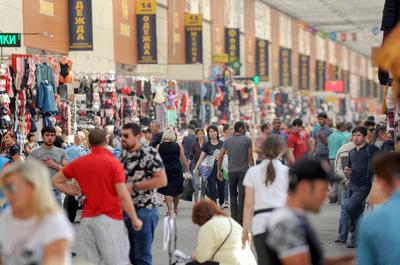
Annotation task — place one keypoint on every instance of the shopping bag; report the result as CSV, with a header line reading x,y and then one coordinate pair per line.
x,y
188,190
206,167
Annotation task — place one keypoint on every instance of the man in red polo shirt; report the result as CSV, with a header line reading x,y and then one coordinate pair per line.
x,y
296,145
101,179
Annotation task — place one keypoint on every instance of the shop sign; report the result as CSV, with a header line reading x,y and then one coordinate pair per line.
x,y
376,95
346,80
334,86
232,46
80,25
363,87
371,88
10,40
320,75
304,72
146,31
335,72
220,58
285,67
262,67
194,38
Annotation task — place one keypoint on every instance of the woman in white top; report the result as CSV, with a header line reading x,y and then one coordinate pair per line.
x,y
266,189
219,238
34,229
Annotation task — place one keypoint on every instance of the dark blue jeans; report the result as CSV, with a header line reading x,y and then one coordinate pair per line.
x,y
344,217
215,187
355,205
141,241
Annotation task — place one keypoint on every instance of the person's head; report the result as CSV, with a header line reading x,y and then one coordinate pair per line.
x,y
297,126
381,133
169,135
212,133
228,130
341,126
147,134
308,184
349,126
266,128
58,131
359,136
155,127
397,144
98,137
31,137
80,139
26,186
240,127
276,124
387,169
322,119
131,135
204,210
200,135
273,147
48,135
191,129
370,125
9,138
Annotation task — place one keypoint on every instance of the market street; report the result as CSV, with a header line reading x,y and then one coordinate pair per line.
x,y
325,223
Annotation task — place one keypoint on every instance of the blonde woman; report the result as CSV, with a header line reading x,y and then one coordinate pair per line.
x,y
34,229
173,157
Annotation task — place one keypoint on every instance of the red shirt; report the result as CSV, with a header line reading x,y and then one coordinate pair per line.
x,y
296,142
97,173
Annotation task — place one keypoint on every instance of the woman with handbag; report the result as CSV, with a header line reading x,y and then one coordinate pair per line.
x,y
266,189
173,157
209,154
219,238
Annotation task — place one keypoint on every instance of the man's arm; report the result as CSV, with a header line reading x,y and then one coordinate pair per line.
x,y
251,158
219,163
60,182
298,259
291,155
127,204
158,180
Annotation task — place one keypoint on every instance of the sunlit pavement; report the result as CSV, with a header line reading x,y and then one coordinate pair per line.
x,y
326,223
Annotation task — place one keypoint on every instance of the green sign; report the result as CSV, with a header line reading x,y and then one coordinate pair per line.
x,y
256,79
10,40
236,66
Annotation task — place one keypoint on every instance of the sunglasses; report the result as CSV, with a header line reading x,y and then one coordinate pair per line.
x,y
9,188
124,135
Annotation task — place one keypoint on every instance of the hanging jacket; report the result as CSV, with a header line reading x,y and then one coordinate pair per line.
x,y
46,98
44,74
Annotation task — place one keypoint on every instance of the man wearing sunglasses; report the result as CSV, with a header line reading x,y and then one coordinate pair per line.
x,y
144,170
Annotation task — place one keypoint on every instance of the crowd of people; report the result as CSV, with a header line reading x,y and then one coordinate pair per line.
x,y
245,192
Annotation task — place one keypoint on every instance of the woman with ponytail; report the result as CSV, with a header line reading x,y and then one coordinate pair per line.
x,y
266,189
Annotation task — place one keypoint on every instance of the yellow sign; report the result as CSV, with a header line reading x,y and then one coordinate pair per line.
x,y
220,58
46,8
193,20
146,7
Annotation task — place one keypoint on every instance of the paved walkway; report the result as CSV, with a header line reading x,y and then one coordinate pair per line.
x,y
325,223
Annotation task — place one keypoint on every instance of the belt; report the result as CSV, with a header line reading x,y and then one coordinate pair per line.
x,y
266,210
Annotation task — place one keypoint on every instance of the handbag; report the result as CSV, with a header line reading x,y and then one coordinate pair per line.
x,y
188,190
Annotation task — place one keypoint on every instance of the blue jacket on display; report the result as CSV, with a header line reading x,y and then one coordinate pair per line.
x,y
46,98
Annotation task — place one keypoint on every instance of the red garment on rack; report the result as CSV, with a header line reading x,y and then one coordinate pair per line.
x,y
14,60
